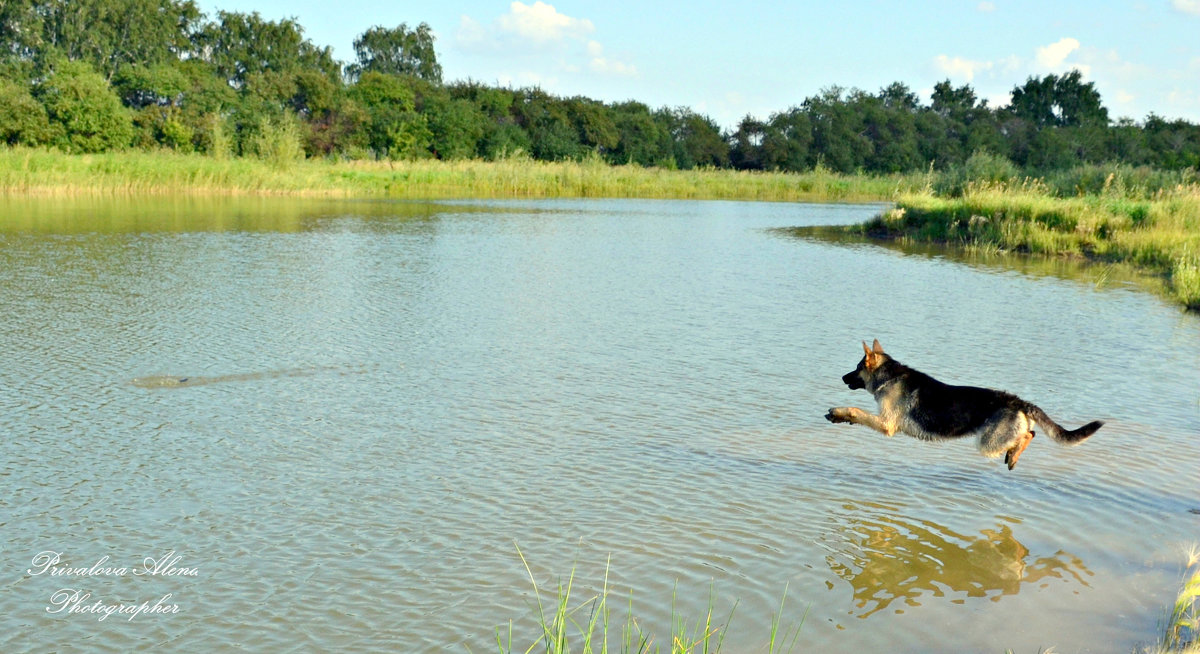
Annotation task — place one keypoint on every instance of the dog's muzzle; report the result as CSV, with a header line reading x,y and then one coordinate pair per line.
x,y
853,380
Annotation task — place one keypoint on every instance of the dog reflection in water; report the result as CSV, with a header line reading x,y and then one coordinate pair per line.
x,y
885,558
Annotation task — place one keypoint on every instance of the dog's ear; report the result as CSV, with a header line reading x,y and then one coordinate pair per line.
x,y
871,359
876,347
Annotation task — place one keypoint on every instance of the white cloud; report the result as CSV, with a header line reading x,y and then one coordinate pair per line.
x,y
1187,6
601,64
986,7
959,67
1124,97
544,39
470,33
1052,56
541,23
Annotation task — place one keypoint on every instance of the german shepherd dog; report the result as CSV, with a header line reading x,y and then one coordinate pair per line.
x,y
925,408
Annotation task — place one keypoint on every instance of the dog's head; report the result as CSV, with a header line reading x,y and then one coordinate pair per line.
x,y
873,357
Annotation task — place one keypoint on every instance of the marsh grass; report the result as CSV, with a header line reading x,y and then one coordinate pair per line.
x,y
1181,627
280,171
1160,232
569,623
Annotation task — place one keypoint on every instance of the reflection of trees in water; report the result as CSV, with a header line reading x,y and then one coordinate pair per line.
x,y
885,557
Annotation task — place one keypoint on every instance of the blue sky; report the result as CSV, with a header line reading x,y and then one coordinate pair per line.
x,y
729,59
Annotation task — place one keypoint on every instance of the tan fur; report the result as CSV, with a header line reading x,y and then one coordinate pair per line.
x,y
920,406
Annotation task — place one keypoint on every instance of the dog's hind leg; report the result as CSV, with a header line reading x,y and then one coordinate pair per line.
x,y
1014,452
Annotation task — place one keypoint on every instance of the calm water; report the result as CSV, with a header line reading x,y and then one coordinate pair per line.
x,y
338,422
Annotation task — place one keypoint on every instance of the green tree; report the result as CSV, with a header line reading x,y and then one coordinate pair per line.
x,y
502,135
889,122
242,45
394,129
593,122
838,138
544,117
107,34
1054,101
23,119
787,141
81,103
642,138
397,51
746,144
697,140
456,126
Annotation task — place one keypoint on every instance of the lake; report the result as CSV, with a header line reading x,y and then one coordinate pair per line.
x,y
277,425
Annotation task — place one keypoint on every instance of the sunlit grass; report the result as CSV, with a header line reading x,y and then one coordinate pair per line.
x,y
568,623
42,172
1160,232
1181,626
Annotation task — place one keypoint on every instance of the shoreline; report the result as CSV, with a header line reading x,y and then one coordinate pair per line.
x,y
29,172
1155,229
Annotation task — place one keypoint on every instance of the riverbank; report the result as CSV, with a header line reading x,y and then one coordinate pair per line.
x,y
1159,232
26,171
1155,226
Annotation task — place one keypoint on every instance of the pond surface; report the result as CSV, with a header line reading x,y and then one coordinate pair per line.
x,y
339,426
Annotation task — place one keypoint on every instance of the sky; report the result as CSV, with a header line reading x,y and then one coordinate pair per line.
x,y
728,59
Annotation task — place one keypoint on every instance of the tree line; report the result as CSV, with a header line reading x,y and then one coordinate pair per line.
x,y
99,75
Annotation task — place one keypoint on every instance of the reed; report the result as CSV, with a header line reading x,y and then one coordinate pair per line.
x,y
570,624
1181,631
31,171
1159,232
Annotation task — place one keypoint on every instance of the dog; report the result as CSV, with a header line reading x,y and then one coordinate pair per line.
x,y
925,408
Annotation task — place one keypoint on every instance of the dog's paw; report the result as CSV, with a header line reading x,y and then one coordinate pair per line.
x,y
838,414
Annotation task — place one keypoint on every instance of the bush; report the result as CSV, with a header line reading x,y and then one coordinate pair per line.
x,y
84,106
982,167
23,120
278,142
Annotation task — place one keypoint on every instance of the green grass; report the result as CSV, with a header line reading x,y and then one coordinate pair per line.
x,y
1160,233
571,624
26,171
1120,214
1181,628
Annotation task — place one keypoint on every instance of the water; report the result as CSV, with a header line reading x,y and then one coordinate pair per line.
x,y
346,418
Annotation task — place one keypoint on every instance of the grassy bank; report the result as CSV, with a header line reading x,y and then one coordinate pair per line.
x,y
1159,232
25,171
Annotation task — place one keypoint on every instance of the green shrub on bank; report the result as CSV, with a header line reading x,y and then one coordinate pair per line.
x,y
90,117
23,120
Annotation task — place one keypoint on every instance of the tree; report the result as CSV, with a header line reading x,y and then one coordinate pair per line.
x,y
640,138
787,141
1054,101
552,135
241,45
23,120
746,144
697,140
80,101
838,139
108,34
889,121
593,122
397,51
394,128
456,126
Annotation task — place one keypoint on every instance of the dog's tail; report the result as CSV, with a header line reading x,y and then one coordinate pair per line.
x,y
1057,431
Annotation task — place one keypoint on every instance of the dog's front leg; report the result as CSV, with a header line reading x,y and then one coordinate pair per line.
x,y
857,416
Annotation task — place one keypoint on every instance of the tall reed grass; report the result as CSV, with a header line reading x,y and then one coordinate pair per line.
x,y
279,171
571,624
1181,626
1159,231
